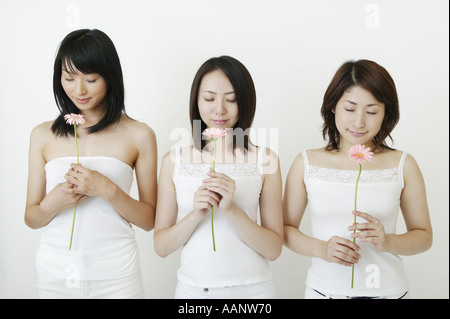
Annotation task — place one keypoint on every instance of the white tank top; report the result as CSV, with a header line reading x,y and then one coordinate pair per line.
x,y
234,263
331,197
104,245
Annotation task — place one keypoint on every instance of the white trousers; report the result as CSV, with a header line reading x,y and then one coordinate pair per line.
x,y
129,287
263,290
311,293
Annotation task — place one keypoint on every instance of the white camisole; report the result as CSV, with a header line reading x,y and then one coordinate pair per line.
x,y
234,263
104,245
331,196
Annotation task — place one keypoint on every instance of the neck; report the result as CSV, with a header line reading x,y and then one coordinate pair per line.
x,y
91,117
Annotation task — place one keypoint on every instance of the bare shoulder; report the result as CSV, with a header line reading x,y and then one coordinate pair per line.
x,y
320,156
42,130
139,130
169,158
40,138
42,134
312,155
270,161
410,166
168,164
268,154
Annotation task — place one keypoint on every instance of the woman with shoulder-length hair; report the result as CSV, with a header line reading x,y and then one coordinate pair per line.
x,y
235,263
360,106
99,258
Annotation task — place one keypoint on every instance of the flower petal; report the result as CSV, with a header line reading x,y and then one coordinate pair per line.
x,y
73,118
214,132
360,153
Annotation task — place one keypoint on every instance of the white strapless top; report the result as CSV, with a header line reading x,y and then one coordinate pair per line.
x,y
104,245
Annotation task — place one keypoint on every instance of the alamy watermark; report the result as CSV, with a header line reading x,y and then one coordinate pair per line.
x,y
265,137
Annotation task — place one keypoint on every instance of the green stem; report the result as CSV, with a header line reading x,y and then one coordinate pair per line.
x,y
75,207
76,142
73,225
212,207
354,219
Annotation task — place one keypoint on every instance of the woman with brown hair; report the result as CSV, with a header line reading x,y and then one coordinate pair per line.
x,y
360,106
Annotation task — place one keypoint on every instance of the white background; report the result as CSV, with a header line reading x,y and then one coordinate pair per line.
x,y
291,48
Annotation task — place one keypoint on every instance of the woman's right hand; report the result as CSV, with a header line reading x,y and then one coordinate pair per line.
x,y
341,251
58,199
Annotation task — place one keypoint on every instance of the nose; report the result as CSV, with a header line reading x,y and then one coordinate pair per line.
x,y
359,119
81,88
220,106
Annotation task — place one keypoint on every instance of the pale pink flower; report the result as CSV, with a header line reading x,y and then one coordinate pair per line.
x,y
214,132
360,154
73,118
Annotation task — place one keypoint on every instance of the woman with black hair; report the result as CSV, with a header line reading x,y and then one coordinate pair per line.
x,y
103,261
246,177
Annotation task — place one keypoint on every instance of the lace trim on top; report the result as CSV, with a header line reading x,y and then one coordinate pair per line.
x,y
391,175
234,170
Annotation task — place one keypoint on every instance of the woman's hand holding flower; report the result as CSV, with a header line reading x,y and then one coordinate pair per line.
x,y
204,199
224,186
59,198
341,251
370,232
88,182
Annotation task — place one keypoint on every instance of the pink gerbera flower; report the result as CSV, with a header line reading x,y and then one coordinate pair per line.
x,y
360,154
73,118
214,132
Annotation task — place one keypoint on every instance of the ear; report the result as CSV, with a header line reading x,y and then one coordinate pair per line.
x,y
333,110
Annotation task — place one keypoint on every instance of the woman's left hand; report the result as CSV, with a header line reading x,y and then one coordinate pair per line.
x,y
87,182
370,232
223,185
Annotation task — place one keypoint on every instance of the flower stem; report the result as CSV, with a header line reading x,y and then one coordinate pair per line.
x,y
73,225
75,207
76,142
212,207
354,219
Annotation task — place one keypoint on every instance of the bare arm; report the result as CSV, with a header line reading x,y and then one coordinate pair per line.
x,y
40,208
169,235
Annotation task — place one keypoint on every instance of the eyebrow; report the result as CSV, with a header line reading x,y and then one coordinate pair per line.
x,y
212,92
353,103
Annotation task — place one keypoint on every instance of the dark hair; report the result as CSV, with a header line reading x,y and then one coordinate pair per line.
x,y
90,51
244,90
375,79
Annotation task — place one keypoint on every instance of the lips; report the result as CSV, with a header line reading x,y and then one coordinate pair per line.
x,y
219,122
82,101
357,134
